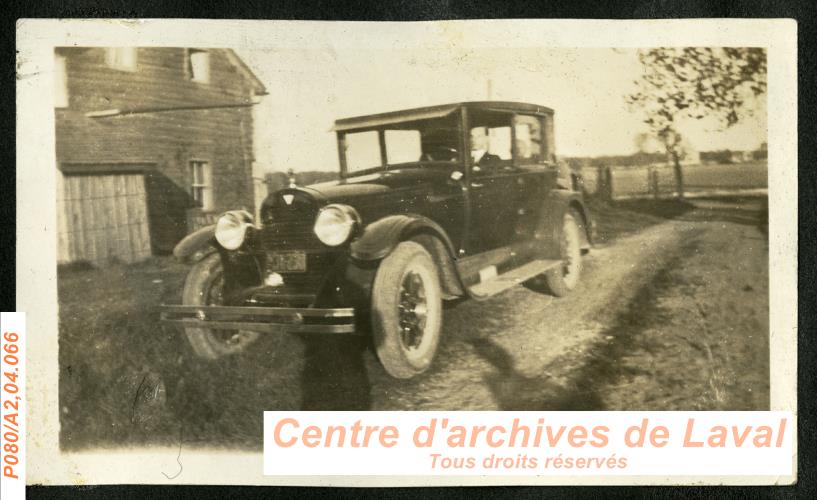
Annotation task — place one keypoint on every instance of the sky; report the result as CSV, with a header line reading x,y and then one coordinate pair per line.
x,y
310,88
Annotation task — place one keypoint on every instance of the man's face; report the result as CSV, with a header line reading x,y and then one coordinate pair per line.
x,y
479,139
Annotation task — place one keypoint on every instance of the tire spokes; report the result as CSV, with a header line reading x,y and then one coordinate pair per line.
x,y
215,297
413,310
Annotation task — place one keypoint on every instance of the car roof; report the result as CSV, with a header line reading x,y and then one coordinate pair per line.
x,y
438,111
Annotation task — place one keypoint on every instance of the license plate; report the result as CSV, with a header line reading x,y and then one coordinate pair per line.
x,y
290,262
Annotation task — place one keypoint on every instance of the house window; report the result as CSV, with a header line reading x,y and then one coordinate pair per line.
x,y
201,187
60,83
198,65
121,58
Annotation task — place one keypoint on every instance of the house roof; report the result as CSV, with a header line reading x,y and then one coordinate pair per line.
x,y
438,111
236,61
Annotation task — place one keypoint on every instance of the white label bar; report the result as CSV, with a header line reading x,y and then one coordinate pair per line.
x,y
499,443
12,405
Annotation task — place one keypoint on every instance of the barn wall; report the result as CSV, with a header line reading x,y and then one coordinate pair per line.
x,y
169,140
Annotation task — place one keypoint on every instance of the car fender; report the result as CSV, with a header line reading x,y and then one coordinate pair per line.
x,y
379,238
587,225
196,245
551,218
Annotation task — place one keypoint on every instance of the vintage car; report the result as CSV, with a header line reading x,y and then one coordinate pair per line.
x,y
433,204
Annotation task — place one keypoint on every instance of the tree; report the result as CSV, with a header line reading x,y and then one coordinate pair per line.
x,y
696,82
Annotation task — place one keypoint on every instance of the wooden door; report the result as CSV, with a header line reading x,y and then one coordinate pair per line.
x,y
102,218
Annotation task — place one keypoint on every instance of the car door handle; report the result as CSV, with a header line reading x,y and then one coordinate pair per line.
x,y
477,184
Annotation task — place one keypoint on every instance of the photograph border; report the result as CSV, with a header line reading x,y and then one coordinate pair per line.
x,y
33,67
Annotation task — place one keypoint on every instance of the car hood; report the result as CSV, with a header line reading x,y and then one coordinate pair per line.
x,y
372,195
382,182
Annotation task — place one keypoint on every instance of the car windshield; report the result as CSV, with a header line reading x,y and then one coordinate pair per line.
x,y
430,140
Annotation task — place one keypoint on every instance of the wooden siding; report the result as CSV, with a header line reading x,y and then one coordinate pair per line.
x,y
169,139
160,80
102,218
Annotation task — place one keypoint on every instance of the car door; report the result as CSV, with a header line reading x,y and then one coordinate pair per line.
x,y
536,173
490,156
502,188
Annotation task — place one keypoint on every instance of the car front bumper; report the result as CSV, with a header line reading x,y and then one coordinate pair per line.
x,y
261,319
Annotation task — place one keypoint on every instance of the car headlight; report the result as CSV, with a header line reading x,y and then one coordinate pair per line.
x,y
231,228
335,224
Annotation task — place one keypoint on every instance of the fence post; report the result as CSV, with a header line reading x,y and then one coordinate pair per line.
x,y
604,182
652,174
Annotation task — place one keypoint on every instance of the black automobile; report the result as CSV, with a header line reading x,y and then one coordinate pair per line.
x,y
432,204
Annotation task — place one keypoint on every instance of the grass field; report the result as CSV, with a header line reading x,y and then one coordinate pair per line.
x,y
634,181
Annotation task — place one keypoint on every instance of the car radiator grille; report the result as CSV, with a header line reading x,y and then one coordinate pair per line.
x,y
290,236
290,228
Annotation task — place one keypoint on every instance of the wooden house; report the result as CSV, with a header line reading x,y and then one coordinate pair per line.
x,y
151,143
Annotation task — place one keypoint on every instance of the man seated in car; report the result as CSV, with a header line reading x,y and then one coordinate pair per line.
x,y
439,145
479,148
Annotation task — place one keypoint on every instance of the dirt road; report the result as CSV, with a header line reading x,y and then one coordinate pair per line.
x,y
672,316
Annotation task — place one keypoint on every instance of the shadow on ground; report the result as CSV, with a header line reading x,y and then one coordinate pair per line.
x,y
581,387
334,375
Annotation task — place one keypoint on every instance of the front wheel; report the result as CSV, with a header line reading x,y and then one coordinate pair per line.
x,y
204,286
406,310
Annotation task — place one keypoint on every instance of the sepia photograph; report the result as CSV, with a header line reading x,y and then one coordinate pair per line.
x,y
536,228
443,253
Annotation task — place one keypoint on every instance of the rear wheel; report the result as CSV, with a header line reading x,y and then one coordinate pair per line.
x,y
561,280
406,310
204,286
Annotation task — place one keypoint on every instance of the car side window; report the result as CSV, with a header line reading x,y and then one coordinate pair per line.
x,y
490,147
499,142
528,138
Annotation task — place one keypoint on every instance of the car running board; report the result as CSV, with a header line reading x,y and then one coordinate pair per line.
x,y
492,285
